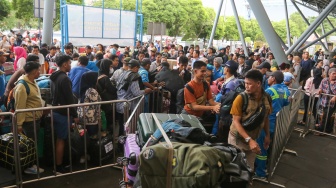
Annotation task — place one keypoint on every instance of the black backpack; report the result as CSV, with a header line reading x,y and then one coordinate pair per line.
x,y
228,98
180,96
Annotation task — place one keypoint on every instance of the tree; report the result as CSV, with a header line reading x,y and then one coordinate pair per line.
x,y
4,9
231,30
24,9
9,22
198,19
298,23
115,4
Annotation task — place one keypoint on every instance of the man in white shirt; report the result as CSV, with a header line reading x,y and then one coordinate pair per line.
x,y
156,63
36,51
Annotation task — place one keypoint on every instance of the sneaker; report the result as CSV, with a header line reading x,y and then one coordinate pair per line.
x,y
33,170
61,170
259,178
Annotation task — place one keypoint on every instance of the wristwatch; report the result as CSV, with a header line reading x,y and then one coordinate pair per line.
x,y
247,139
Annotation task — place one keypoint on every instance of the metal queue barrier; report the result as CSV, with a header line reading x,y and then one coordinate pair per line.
x,y
132,119
18,171
286,119
311,119
156,101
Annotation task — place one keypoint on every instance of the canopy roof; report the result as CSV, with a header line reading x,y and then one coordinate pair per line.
x,y
317,5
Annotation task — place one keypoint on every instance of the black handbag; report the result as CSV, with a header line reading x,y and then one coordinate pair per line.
x,y
256,119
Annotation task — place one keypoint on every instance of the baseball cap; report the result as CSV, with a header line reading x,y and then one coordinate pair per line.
x,y
127,59
145,62
256,54
231,65
278,75
264,65
133,63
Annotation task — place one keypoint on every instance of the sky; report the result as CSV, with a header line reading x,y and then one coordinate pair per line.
x,y
274,8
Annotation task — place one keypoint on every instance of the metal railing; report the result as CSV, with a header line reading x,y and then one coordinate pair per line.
x,y
324,117
156,101
286,119
132,119
139,106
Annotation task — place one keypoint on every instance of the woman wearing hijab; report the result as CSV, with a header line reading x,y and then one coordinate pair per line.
x,y
106,90
20,58
312,88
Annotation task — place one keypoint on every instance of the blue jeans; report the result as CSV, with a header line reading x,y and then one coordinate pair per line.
x,y
215,126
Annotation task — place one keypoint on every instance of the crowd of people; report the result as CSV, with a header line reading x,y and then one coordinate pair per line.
x,y
106,73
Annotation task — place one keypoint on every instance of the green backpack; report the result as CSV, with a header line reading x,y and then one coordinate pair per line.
x,y
193,165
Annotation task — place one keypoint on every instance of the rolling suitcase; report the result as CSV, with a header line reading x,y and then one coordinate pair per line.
x,y
132,151
106,149
147,126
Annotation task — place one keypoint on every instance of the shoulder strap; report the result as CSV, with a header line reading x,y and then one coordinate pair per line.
x,y
25,84
101,76
97,84
205,85
190,89
245,100
268,98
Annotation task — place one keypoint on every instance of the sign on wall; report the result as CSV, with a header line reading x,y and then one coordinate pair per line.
x,y
93,25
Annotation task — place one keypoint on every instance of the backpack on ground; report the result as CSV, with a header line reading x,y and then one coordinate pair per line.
x,y
11,100
193,165
180,96
26,149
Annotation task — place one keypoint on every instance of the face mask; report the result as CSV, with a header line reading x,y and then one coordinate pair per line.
x,y
113,51
111,70
293,61
288,59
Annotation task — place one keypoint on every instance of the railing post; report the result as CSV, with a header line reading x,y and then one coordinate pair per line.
x,y
18,170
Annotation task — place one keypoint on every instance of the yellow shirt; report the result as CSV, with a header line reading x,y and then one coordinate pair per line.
x,y
24,101
253,104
